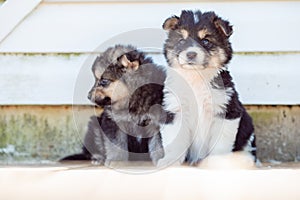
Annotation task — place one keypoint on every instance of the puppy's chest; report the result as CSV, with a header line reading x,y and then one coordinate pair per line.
x,y
210,98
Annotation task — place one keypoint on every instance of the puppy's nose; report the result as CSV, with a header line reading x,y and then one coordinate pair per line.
x,y
191,55
89,95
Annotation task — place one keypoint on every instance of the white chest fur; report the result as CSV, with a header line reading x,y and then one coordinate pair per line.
x,y
200,127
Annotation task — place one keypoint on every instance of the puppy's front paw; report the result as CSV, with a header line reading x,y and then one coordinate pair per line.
x,y
156,156
97,162
234,160
165,162
162,163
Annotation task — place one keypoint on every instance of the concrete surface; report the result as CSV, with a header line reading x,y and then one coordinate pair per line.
x,y
83,181
278,132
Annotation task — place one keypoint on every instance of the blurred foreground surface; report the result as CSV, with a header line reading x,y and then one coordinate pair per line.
x,y
85,181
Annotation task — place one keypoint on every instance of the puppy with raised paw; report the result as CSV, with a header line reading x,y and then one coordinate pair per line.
x,y
129,87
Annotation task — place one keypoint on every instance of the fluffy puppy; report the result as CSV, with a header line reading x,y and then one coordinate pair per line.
x,y
198,49
129,87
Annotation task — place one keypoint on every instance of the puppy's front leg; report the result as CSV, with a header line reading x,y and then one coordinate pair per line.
x,y
176,141
156,148
116,149
94,142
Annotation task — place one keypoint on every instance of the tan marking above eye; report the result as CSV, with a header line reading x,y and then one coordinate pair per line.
x,y
185,33
98,73
202,33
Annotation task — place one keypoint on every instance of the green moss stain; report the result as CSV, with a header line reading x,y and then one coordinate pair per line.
x,y
255,53
36,138
38,133
28,55
260,117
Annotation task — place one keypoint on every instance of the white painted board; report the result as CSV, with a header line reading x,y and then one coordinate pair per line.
x,y
51,80
82,27
20,10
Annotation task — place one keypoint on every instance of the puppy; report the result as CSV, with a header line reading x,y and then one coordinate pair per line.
x,y
213,120
129,87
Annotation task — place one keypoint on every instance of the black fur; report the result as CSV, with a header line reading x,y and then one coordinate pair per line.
x,y
234,110
209,35
133,127
207,20
85,155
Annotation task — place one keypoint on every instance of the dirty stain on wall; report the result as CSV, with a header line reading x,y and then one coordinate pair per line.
x,y
43,134
277,131
37,134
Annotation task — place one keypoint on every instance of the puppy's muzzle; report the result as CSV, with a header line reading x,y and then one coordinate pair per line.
x,y
90,95
191,55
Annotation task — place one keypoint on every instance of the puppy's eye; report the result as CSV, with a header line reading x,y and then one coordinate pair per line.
x,y
181,41
104,82
206,43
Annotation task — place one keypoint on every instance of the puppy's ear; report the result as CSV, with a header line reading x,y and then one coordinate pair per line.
x,y
171,23
134,65
223,26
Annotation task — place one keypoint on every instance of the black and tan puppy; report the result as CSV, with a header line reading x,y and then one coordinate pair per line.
x,y
198,49
129,87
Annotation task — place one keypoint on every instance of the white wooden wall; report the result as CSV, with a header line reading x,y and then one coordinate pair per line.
x,y
46,47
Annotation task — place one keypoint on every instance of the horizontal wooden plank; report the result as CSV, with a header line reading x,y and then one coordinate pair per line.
x,y
265,79
21,10
52,80
38,79
149,1
74,27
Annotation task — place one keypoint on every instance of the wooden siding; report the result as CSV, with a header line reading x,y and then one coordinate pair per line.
x,y
44,49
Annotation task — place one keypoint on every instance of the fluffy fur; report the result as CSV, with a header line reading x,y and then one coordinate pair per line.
x,y
211,121
129,87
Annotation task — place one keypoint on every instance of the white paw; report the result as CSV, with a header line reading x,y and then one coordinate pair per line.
x,y
165,162
162,163
234,160
97,162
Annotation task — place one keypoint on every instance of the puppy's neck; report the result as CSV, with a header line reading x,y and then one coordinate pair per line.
x,y
206,74
120,105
